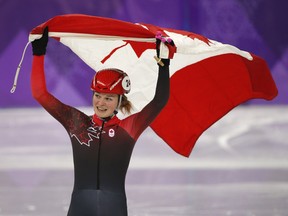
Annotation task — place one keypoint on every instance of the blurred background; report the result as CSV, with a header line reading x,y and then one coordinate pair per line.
x,y
257,26
239,166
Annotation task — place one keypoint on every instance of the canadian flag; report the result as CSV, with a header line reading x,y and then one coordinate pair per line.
x,y
208,78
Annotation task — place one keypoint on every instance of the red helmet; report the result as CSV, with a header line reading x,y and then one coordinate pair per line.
x,y
111,80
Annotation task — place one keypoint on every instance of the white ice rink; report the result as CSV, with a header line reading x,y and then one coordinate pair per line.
x,y
239,167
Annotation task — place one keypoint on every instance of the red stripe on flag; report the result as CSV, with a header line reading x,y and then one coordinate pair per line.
x,y
204,92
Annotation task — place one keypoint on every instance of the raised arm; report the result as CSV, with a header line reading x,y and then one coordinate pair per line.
x,y
140,121
165,50
38,83
39,90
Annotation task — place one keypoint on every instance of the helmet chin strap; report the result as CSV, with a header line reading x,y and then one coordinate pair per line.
x,y
118,106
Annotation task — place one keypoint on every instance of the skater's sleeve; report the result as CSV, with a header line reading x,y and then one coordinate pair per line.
x,y
137,123
56,108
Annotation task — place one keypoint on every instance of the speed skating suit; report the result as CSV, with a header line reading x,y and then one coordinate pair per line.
x,y
101,149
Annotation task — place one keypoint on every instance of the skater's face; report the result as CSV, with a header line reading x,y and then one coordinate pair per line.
x,y
104,104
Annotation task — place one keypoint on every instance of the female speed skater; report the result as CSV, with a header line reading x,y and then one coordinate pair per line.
x,y
102,143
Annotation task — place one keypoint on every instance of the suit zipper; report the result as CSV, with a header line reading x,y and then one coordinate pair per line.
x,y
99,155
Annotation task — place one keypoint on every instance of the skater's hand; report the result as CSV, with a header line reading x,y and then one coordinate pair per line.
x,y
165,49
39,45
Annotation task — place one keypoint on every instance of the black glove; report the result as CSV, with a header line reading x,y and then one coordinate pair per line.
x,y
168,44
39,45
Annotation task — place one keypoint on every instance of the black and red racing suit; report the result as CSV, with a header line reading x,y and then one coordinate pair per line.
x,y
101,149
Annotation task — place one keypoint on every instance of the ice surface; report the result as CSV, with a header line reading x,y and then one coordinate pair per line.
x,y
239,167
